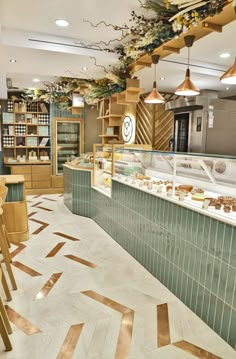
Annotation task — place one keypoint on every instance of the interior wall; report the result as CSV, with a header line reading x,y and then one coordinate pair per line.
x,y
93,128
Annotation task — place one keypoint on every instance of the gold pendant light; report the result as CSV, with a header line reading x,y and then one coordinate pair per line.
x,y
187,87
154,97
229,76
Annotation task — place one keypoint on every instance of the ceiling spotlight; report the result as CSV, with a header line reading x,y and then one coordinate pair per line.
x,y
162,78
85,68
62,23
227,88
36,80
224,55
12,60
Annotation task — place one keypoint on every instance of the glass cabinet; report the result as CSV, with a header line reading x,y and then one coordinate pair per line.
x,y
102,157
68,142
198,181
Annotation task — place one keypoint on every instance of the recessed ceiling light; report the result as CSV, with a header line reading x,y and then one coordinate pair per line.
x,y
225,55
36,80
85,68
62,23
162,78
227,88
12,60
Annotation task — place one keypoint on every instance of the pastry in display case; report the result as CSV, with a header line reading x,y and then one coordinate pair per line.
x,y
102,163
198,181
84,161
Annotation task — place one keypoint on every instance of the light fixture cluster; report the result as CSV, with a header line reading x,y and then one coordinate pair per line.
x,y
187,87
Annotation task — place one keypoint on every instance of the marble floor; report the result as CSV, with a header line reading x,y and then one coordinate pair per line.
x,y
80,295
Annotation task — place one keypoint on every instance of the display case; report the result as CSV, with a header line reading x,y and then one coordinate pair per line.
x,y
102,156
68,141
206,183
84,161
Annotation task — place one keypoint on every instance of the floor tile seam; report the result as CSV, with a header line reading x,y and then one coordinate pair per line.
x,y
224,302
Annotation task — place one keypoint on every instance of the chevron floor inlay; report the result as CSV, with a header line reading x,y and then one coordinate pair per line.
x,y
41,228
80,260
70,342
48,286
21,323
36,204
163,326
63,235
26,269
87,298
45,209
196,351
55,250
19,248
32,214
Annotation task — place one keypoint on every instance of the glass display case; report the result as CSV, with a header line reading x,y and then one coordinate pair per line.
x,y
102,157
67,142
198,181
84,161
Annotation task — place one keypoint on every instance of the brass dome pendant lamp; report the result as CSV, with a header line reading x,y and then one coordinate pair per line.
x,y
187,87
229,76
154,97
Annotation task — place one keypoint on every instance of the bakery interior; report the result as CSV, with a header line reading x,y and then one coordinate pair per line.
x,y
118,149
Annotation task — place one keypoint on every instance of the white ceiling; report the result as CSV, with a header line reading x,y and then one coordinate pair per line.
x,y
27,19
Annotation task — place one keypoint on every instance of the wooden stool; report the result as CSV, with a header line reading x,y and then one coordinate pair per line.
x,y
5,327
5,249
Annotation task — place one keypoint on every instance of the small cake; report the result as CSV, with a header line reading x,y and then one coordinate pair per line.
x,y
198,197
212,201
220,167
227,208
185,188
218,205
234,206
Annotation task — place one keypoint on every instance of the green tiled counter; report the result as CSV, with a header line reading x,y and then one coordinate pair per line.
x,y
191,254
77,190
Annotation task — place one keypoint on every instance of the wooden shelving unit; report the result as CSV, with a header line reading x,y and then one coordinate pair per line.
x,y
131,94
204,28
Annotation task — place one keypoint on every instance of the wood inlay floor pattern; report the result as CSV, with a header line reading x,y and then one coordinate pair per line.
x,y
63,235
23,324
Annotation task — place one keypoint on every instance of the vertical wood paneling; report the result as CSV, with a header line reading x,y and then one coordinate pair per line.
x,y
155,124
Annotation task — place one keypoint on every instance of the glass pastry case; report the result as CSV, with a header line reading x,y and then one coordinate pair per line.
x,y
67,144
197,181
102,157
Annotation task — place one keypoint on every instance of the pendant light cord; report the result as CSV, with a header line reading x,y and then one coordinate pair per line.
x,y
155,72
188,56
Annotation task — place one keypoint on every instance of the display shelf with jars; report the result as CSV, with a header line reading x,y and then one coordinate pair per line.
x,y
205,183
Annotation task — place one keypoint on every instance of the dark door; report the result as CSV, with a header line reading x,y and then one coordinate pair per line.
x,y
181,132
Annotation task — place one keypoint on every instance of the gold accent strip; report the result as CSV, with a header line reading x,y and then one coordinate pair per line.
x,y
40,229
163,326
194,350
66,236
48,286
70,342
21,322
38,195
32,214
26,269
125,336
18,250
36,204
55,250
50,199
45,209
108,302
80,260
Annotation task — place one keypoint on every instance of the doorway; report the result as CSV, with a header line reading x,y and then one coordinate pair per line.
x,y
181,132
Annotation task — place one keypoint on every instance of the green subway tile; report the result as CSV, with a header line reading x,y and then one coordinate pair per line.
x,y
205,304
230,285
211,313
189,225
189,291
200,231
183,286
195,263
233,249
199,300
218,316
206,234
220,240
216,276
194,233
222,280
212,239
179,284
194,294
187,254
232,331
225,321
227,243
203,268
209,272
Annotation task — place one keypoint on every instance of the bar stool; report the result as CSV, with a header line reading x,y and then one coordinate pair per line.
x,y
4,246
5,327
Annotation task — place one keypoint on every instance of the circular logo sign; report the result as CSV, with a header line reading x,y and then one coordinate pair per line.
x,y
127,129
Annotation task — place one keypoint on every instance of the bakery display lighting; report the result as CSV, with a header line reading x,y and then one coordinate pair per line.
x,y
154,97
187,87
224,55
62,23
229,77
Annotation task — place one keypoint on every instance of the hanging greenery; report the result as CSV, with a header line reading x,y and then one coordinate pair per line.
x,y
166,19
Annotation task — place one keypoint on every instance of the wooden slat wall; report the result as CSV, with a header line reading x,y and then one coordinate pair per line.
x,y
154,124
